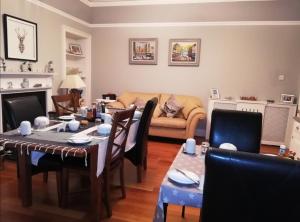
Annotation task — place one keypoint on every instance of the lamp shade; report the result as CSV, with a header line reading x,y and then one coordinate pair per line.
x,y
73,81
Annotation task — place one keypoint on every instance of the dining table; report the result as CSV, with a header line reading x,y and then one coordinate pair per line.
x,y
52,141
178,193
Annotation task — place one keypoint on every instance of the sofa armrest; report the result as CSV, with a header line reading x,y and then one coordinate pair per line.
x,y
192,121
115,104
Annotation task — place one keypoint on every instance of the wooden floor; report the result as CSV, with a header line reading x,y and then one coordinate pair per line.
x,y
138,206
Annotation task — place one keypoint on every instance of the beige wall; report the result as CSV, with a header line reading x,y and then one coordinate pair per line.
x,y
49,34
239,61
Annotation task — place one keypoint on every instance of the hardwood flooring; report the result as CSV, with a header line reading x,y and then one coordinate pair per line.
x,y
139,205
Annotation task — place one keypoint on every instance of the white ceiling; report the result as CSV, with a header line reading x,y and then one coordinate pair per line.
x,y
103,3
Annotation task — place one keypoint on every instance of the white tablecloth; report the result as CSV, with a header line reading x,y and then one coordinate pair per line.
x,y
102,145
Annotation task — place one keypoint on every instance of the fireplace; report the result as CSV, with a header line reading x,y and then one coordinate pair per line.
x,y
41,95
11,86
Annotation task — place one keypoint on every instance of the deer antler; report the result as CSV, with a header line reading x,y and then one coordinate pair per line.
x,y
17,30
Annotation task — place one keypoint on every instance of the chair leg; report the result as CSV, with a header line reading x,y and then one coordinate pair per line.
x,y
145,163
183,211
45,177
64,187
139,170
122,181
165,206
107,195
58,184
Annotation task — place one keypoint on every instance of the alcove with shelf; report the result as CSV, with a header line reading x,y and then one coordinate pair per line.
x,y
78,59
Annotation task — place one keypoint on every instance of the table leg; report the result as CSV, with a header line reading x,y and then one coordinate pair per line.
x,y
165,211
96,185
25,180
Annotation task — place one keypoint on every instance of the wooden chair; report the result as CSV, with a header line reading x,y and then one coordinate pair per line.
x,y
64,104
114,159
138,154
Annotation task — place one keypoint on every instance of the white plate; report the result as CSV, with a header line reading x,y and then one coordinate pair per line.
x,y
66,117
180,178
80,140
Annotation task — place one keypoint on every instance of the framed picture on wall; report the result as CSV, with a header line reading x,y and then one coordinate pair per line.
x,y
20,39
285,98
143,51
184,52
75,49
214,93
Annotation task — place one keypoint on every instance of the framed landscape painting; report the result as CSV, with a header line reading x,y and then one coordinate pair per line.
x,y
20,39
184,52
143,51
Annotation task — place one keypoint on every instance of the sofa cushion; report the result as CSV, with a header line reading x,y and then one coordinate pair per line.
x,y
177,123
171,107
189,103
126,99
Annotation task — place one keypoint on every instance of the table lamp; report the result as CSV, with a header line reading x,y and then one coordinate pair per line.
x,y
73,83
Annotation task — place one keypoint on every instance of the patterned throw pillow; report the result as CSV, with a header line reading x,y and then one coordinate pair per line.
x,y
171,107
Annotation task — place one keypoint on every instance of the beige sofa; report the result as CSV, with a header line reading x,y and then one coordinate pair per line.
x,y
182,126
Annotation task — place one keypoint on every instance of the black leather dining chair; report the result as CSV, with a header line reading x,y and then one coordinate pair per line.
x,y
28,108
240,128
250,187
22,108
138,154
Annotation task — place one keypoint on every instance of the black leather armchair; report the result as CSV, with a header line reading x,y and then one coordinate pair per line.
x,y
250,187
242,129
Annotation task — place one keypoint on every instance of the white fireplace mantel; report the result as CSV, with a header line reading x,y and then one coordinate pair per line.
x,y
16,79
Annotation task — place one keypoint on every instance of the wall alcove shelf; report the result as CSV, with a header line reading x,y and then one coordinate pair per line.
x,y
82,62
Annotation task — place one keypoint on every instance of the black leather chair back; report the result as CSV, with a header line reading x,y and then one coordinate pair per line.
x,y
250,187
242,129
138,152
23,108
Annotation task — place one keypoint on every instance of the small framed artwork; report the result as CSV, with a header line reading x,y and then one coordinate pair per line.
x,y
143,51
285,98
20,39
184,52
214,94
75,49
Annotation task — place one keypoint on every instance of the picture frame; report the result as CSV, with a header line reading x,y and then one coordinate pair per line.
x,y
214,93
75,49
184,52
143,51
286,98
20,39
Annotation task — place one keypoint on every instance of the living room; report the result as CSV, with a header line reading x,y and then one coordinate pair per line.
x,y
247,48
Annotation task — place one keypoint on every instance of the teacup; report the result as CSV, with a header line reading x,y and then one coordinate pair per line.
x,y
104,129
190,146
25,128
73,125
41,122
